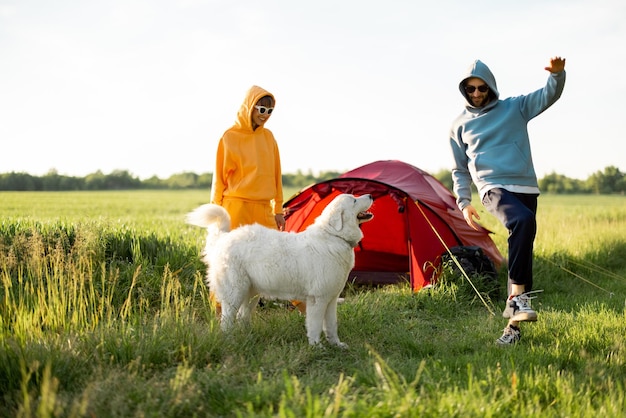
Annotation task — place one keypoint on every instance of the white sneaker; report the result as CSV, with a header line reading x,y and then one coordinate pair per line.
x,y
511,336
518,307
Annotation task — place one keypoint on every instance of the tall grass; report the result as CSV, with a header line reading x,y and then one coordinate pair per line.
x,y
103,312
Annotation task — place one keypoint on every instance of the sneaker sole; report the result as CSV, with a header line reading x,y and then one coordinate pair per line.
x,y
506,344
525,317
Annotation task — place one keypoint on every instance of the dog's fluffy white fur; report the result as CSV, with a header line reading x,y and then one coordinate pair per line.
x,y
253,261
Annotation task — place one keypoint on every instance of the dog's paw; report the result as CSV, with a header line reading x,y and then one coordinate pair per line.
x,y
338,344
341,345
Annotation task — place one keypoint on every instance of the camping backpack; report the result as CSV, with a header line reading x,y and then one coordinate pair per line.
x,y
473,261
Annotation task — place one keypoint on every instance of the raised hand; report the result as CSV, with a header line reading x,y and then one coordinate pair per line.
x,y
557,64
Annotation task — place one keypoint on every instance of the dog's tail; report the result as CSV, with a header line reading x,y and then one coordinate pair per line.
x,y
210,216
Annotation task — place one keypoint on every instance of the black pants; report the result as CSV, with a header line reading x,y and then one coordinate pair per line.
x,y
517,212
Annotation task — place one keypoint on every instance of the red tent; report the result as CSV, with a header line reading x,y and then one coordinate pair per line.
x,y
412,211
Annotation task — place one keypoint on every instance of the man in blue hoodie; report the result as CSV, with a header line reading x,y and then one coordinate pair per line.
x,y
491,148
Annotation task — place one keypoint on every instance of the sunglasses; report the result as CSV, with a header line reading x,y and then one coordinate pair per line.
x,y
263,110
471,89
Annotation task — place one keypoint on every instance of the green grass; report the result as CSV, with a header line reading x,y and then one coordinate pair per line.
x,y
103,312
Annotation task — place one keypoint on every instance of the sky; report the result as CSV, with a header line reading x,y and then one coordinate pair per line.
x,y
149,86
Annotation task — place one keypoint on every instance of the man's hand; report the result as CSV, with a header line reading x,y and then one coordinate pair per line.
x,y
557,64
469,213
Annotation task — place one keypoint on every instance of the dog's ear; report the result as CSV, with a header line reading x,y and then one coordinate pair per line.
x,y
336,220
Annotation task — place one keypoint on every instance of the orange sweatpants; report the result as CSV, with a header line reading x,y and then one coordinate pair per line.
x,y
247,212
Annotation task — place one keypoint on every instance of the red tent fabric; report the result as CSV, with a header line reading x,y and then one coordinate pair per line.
x,y
413,213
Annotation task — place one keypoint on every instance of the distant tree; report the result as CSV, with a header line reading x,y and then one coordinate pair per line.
x,y
19,182
328,175
621,186
301,180
558,183
185,180
95,181
154,183
53,181
121,180
444,176
611,180
298,180
204,181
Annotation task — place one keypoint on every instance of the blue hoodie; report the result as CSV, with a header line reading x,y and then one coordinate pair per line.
x,y
490,144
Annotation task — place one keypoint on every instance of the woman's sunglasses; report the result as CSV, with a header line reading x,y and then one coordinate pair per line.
x,y
263,110
472,89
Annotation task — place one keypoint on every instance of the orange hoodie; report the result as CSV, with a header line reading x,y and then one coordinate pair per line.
x,y
247,164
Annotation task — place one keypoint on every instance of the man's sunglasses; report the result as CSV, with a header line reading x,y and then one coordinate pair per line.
x,y
263,110
471,89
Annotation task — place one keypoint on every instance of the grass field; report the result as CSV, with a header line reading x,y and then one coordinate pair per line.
x,y
103,313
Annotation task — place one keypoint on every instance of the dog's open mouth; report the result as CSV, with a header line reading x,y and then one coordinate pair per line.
x,y
364,216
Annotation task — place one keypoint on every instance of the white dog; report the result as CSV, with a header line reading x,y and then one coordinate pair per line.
x,y
253,261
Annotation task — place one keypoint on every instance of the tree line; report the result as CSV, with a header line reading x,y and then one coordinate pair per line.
x,y
124,180
608,181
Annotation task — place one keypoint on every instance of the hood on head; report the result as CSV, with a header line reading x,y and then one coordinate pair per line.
x,y
244,115
480,70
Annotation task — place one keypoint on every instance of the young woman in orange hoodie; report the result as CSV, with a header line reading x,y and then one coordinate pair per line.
x,y
247,180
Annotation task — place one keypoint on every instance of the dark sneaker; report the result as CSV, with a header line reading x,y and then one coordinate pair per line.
x,y
518,307
511,336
